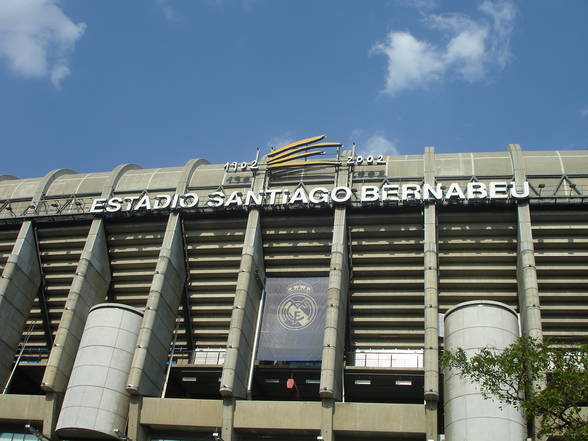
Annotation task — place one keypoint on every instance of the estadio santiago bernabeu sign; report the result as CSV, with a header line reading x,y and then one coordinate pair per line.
x,y
367,194
295,156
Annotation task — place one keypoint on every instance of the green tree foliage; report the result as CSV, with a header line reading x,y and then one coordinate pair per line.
x,y
548,384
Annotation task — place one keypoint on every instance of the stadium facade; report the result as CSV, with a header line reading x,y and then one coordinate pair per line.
x,y
137,303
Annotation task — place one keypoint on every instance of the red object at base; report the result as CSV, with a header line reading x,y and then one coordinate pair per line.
x,y
291,383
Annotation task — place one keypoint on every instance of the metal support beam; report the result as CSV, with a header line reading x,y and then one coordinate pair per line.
x,y
188,320
42,297
186,309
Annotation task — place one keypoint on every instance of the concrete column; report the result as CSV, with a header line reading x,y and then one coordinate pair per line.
x,y
53,403
431,306
334,333
115,175
243,321
331,385
89,287
44,185
245,307
159,320
135,431
147,372
327,416
528,288
529,304
19,285
228,431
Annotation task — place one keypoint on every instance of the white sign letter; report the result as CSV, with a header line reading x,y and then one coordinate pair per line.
x,y
370,193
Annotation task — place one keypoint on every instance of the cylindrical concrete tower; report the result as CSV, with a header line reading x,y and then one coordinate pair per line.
x,y
96,402
468,416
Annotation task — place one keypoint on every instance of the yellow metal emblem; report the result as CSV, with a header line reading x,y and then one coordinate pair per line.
x,y
291,155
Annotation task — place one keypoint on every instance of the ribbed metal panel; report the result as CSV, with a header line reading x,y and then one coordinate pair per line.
x,y
386,309
297,246
60,249
133,249
477,257
561,257
213,248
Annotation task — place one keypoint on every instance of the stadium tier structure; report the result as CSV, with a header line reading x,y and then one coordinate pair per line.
x,y
278,299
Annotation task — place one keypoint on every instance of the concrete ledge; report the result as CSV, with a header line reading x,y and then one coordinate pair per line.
x,y
187,414
26,408
276,415
181,414
406,419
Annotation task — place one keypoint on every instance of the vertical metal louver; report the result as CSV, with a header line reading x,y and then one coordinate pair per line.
x,y
477,256
297,246
60,249
386,307
213,249
133,249
561,256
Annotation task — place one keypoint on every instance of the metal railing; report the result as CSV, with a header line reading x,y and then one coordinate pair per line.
x,y
213,357
400,358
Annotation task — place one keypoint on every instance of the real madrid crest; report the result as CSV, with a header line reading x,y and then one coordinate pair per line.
x,y
298,310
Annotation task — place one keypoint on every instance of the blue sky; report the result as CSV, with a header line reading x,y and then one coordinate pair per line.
x,y
88,85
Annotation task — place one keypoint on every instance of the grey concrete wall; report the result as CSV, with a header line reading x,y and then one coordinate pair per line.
x,y
19,285
149,362
356,418
22,408
297,415
379,418
158,413
89,287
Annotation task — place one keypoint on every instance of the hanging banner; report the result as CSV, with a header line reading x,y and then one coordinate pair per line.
x,y
293,319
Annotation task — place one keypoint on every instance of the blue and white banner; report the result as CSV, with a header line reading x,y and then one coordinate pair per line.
x,y
293,319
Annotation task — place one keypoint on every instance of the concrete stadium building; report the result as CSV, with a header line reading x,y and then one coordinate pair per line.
x,y
131,300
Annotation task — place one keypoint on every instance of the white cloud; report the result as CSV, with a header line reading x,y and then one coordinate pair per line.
x,y
470,48
167,10
36,38
422,6
374,144
279,141
584,112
